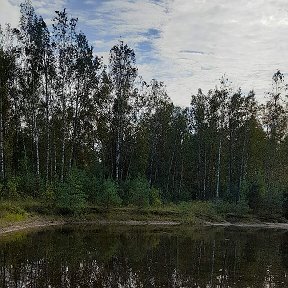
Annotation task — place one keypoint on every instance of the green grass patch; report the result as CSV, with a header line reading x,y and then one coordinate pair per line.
x,y
11,212
194,212
14,217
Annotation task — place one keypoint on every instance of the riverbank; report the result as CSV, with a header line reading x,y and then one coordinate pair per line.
x,y
35,223
38,223
18,215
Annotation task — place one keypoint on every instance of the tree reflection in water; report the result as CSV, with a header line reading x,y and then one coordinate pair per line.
x,y
101,256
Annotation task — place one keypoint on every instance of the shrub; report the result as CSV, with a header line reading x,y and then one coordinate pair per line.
x,y
108,195
70,196
12,187
12,212
204,210
256,191
31,185
225,207
139,192
273,201
92,187
155,199
285,204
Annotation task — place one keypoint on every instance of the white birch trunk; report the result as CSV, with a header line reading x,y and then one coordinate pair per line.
x,y
2,174
218,168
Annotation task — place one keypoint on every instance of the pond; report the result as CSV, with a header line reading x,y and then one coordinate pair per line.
x,y
144,256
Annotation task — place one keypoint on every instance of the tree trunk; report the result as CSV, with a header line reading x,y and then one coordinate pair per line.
x,y
36,143
205,174
218,168
242,166
55,160
230,164
2,174
75,129
37,152
171,163
47,128
117,162
63,148
199,170
182,170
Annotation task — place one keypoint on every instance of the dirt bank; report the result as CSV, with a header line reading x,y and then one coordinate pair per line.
x,y
29,225
266,225
40,223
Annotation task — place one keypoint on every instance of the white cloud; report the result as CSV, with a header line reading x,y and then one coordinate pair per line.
x,y
247,40
201,40
10,10
9,13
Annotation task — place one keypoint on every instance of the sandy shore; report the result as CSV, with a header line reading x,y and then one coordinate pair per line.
x,y
46,223
28,225
41,223
265,225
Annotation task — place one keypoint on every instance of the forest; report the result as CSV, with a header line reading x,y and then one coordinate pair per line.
x,y
75,131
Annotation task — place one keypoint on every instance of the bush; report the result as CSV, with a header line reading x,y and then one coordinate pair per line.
x,y
139,192
204,210
263,200
108,195
70,196
256,191
49,194
12,187
285,203
239,209
27,182
155,199
273,201
12,212
92,187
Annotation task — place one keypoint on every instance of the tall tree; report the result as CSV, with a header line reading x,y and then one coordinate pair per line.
x,y
275,121
64,33
7,74
31,45
123,73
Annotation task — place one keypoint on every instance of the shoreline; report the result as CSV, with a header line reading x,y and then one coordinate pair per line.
x,y
42,223
265,225
25,225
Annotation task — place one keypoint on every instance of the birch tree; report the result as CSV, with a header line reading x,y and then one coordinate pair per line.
x,y
123,73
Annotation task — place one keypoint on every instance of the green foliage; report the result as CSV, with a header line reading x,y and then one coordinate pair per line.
x,y
155,199
11,212
30,185
285,203
231,208
272,202
1,190
70,196
139,192
49,193
108,194
204,210
261,199
256,192
12,187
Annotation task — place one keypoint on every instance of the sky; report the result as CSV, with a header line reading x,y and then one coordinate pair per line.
x,y
187,44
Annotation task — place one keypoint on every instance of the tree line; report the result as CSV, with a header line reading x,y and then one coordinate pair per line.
x,y
76,129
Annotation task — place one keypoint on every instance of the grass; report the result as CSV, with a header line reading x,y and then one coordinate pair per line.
x,y
191,213
11,212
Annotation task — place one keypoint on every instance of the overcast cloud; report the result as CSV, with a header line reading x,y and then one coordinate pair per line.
x,y
188,44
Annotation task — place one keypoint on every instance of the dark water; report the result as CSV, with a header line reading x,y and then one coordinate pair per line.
x,y
99,256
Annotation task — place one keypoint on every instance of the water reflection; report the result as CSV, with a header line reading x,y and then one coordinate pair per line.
x,y
144,257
